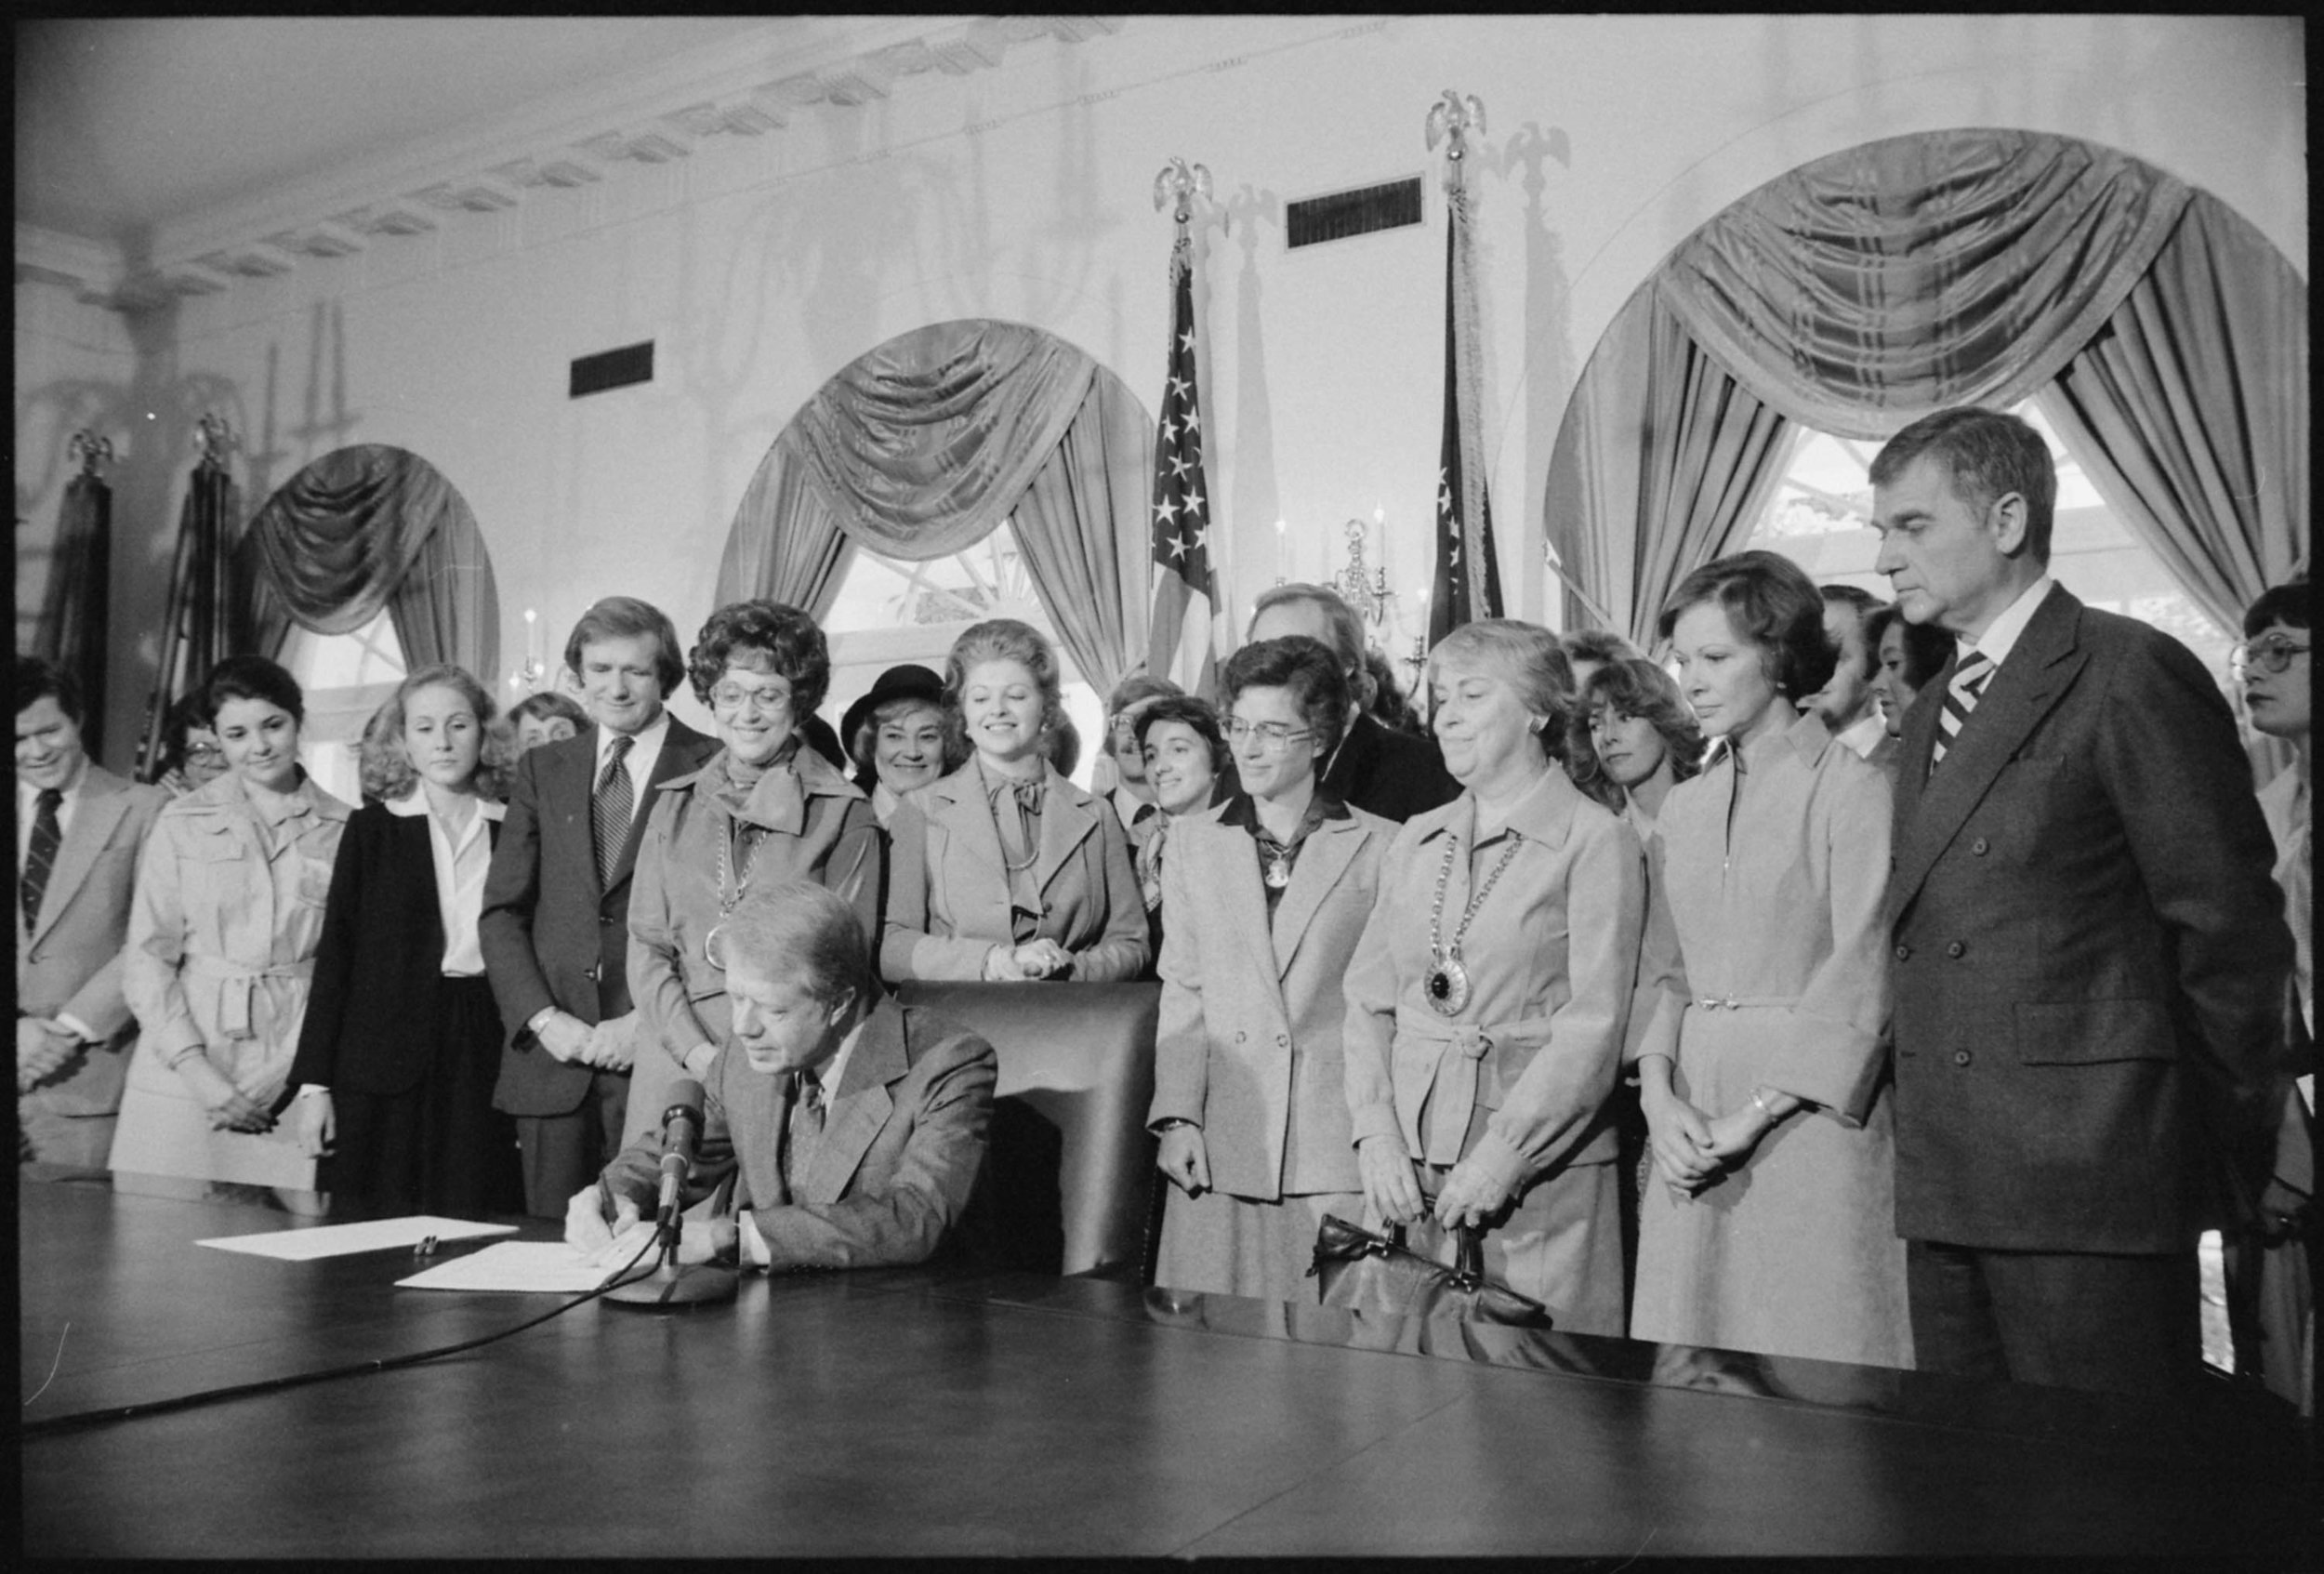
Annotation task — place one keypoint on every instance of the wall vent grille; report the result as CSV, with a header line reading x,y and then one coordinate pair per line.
x,y
1339,214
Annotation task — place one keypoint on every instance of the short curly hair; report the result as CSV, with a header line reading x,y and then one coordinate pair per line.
x,y
1195,713
385,767
1773,605
1005,639
1530,658
1633,686
763,636
1309,669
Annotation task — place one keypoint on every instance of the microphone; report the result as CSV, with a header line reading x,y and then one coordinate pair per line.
x,y
682,1132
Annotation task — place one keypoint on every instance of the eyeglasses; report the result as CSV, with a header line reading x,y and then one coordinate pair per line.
x,y
729,695
1273,737
2272,654
205,751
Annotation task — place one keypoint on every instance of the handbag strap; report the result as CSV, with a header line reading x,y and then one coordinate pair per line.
x,y
1467,1244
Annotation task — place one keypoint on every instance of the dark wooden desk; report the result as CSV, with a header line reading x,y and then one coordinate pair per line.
x,y
914,1413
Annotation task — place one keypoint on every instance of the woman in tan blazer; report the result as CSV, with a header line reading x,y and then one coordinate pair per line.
x,y
1004,870
765,810
1488,999
1267,895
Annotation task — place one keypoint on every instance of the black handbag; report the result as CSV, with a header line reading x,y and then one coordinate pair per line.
x,y
1360,1271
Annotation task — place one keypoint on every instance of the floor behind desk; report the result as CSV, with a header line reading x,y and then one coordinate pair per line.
x,y
914,1413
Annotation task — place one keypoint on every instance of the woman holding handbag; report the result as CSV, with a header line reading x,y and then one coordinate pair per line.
x,y
1487,997
1268,896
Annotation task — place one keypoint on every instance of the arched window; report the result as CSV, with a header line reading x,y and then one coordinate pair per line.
x,y
345,679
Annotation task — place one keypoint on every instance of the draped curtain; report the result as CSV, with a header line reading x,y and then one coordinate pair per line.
x,y
1870,287
922,447
207,620
1663,462
2190,411
2164,337
365,528
72,609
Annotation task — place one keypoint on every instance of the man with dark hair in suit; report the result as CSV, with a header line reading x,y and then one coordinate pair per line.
x,y
850,1128
1377,768
2089,956
555,928
79,831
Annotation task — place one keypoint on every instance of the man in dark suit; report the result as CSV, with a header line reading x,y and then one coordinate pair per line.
x,y
556,922
852,1131
79,831
2088,956
1376,768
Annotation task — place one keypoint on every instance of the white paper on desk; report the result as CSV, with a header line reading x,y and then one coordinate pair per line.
x,y
514,1266
343,1240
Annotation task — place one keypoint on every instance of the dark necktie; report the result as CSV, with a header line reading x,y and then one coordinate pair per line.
x,y
1145,811
806,1129
609,810
1960,697
41,856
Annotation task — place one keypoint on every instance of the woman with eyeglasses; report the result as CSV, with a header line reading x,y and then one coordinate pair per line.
x,y
190,758
1488,998
762,810
1004,870
2271,1291
1268,894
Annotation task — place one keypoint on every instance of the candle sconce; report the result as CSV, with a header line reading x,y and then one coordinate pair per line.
x,y
1363,587
91,450
529,677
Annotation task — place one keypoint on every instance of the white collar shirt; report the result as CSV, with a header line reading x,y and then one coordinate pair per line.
x,y
2001,637
461,861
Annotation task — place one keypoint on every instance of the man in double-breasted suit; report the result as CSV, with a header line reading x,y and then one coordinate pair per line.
x,y
852,1132
2088,955
556,923
79,831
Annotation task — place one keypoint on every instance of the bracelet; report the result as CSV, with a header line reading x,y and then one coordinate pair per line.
x,y
1758,1102
1171,1123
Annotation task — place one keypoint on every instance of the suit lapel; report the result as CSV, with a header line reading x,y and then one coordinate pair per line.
x,y
1067,821
957,804
857,1111
104,801
1227,862
2040,668
1325,858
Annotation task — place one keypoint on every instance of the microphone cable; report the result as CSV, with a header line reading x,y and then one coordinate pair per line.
x,y
85,1418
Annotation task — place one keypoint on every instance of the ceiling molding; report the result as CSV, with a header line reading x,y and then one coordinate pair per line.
x,y
796,67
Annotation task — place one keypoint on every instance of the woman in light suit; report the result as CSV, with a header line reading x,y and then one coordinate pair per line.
x,y
1005,870
764,810
1488,999
1267,895
222,937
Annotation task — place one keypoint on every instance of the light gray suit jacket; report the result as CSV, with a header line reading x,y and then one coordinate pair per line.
x,y
948,889
69,959
1253,1014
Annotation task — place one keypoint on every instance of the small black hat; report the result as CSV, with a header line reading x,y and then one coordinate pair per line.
x,y
908,681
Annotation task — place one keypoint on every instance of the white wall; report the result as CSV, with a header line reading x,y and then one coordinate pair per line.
x,y
760,267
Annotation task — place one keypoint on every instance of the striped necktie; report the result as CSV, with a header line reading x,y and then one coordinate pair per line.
x,y
40,857
1961,698
609,810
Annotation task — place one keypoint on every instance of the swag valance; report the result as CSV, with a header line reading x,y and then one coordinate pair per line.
x,y
922,447
367,527
1872,287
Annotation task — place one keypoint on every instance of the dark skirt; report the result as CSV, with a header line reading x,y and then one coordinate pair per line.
x,y
439,1147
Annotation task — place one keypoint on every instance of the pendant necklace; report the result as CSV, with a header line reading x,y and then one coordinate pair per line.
x,y
1447,982
728,901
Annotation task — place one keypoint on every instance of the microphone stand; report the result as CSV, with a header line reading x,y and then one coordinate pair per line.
x,y
670,1283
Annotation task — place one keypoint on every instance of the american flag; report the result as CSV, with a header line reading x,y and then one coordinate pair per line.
x,y
1183,643
1468,579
